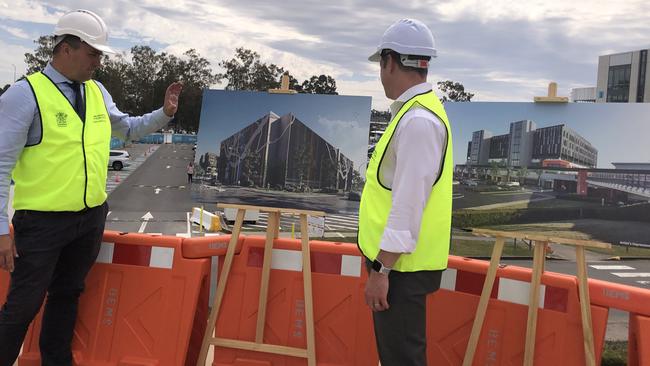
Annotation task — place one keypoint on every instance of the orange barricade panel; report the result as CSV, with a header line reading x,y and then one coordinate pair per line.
x,y
343,324
639,341
502,341
139,306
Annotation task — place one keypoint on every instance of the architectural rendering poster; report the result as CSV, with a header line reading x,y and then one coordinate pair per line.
x,y
281,150
581,167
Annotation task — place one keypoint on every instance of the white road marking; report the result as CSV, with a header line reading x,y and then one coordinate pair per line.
x,y
612,267
146,219
631,274
189,226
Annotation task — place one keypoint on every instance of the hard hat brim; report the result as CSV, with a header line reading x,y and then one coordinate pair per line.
x,y
375,57
103,48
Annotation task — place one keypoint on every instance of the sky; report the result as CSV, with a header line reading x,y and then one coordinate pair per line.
x,y
343,121
500,50
619,131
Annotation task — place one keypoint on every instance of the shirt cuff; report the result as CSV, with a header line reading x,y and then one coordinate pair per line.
x,y
397,241
4,227
159,116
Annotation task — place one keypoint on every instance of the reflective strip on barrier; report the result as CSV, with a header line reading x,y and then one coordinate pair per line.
x,y
136,255
291,260
504,289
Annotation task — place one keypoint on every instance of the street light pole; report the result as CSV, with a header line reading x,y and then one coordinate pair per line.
x,y
14,72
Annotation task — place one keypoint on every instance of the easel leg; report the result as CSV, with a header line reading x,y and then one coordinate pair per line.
x,y
271,230
221,288
483,302
585,307
309,306
533,303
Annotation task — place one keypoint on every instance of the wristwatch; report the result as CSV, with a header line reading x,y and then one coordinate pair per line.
x,y
377,266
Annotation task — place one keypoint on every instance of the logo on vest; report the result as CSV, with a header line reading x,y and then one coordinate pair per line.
x,y
62,119
99,118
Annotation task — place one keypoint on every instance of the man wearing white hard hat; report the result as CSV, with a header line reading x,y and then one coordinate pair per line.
x,y
57,126
405,211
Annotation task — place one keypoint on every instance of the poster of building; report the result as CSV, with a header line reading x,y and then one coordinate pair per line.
x,y
553,165
282,150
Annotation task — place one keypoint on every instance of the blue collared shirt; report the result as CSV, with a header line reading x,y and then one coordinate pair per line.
x,y
20,125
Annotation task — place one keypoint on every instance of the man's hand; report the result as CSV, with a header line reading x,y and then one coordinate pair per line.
x,y
7,253
171,98
377,291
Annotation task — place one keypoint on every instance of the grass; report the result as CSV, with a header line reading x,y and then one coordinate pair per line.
x,y
623,251
614,354
601,230
555,203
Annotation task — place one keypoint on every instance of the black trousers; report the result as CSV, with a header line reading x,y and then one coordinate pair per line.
x,y
55,252
400,331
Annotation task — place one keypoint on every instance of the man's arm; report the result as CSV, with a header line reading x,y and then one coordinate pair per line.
x,y
419,143
17,108
129,128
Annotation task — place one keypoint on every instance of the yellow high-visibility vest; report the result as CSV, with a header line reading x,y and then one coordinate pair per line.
x,y
66,170
432,247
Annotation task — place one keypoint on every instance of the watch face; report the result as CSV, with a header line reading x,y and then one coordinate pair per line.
x,y
376,265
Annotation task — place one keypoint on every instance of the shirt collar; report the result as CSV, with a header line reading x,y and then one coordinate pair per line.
x,y
408,94
56,76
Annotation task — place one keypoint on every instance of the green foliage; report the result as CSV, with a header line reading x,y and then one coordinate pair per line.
x,y
246,71
454,91
323,84
614,354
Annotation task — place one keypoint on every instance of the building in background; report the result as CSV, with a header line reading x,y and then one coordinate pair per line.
x,y
499,149
480,148
521,141
562,143
526,145
623,78
583,95
282,153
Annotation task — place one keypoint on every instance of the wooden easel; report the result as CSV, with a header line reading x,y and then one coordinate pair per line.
x,y
541,242
272,231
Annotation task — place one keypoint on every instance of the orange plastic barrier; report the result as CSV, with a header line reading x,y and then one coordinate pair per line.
x,y
559,331
635,301
639,341
144,304
343,323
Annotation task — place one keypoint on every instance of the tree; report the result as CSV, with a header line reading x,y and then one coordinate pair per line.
x,y
42,55
4,89
323,84
494,170
246,71
380,116
522,173
454,91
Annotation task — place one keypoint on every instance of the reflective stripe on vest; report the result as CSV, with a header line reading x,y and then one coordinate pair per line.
x,y
66,170
432,247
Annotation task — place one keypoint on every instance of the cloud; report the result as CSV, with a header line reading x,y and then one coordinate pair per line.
x,y
16,32
500,50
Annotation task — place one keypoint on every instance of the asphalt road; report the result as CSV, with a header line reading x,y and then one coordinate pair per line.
x,y
467,198
159,187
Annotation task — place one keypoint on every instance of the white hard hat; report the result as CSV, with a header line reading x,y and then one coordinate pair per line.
x,y
86,25
407,37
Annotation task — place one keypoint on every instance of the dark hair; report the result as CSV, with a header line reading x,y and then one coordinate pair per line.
x,y
73,41
397,57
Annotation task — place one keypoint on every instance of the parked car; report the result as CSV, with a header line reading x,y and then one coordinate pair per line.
x,y
470,183
118,159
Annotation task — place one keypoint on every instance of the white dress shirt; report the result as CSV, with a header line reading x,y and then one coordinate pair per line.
x,y
411,165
